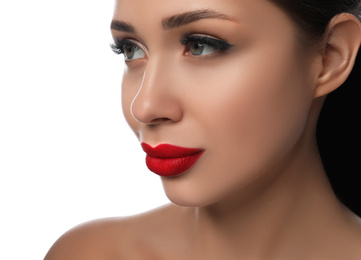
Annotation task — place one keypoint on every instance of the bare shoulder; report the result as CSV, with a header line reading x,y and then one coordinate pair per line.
x,y
117,238
85,241
352,242
343,240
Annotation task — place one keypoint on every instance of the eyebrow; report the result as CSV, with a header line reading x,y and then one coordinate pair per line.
x,y
122,26
192,16
175,21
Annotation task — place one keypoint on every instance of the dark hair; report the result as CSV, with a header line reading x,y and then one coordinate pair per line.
x,y
312,16
338,129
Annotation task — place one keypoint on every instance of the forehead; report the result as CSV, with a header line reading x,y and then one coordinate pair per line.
x,y
151,13
257,21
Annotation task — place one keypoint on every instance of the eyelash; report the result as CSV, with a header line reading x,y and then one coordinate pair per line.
x,y
215,43
119,45
218,45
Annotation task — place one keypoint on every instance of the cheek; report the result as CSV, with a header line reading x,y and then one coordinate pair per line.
x,y
250,120
258,104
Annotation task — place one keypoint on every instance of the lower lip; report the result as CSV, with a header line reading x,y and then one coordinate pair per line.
x,y
169,167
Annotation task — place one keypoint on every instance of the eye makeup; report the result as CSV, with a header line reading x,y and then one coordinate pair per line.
x,y
127,47
192,41
194,44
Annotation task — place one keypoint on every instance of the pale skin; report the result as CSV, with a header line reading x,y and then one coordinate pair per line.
x,y
259,191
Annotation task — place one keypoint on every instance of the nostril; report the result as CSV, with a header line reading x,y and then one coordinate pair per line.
x,y
145,114
159,121
155,109
155,102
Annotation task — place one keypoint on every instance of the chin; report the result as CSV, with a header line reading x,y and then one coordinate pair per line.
x,y
188,202
184,195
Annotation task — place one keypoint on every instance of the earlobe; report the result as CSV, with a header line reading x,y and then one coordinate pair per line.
x,y
341,44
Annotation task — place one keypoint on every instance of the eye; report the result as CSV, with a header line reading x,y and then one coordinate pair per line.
x,y
132,52
129,49
201,45
198,48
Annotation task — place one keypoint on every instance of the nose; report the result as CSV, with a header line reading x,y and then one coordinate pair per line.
x,y
157,100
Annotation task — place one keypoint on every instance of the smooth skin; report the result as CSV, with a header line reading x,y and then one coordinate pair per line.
x,y
259,191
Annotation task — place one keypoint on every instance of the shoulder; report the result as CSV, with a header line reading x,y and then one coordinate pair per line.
x,y
86,241
114,238
352,243
344,238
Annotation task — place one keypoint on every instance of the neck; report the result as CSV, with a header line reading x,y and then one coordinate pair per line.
x,y
292,206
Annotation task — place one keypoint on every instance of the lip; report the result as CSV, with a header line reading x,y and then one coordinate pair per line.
x,y
170,160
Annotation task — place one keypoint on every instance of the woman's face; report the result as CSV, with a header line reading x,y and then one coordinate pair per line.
x,y
228,77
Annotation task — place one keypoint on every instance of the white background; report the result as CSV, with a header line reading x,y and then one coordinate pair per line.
x,y
66,153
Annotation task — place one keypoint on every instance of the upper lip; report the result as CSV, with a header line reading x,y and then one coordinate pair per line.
x,y
169,151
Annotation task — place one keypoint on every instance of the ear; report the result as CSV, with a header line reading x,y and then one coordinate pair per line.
x,y
341,44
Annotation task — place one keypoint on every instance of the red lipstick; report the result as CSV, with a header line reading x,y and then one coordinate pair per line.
x,y
170,160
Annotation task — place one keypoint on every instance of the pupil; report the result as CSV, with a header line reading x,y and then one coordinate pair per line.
x,y
130,52
197,49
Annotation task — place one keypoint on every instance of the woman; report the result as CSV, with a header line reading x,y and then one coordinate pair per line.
x,y
224,97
